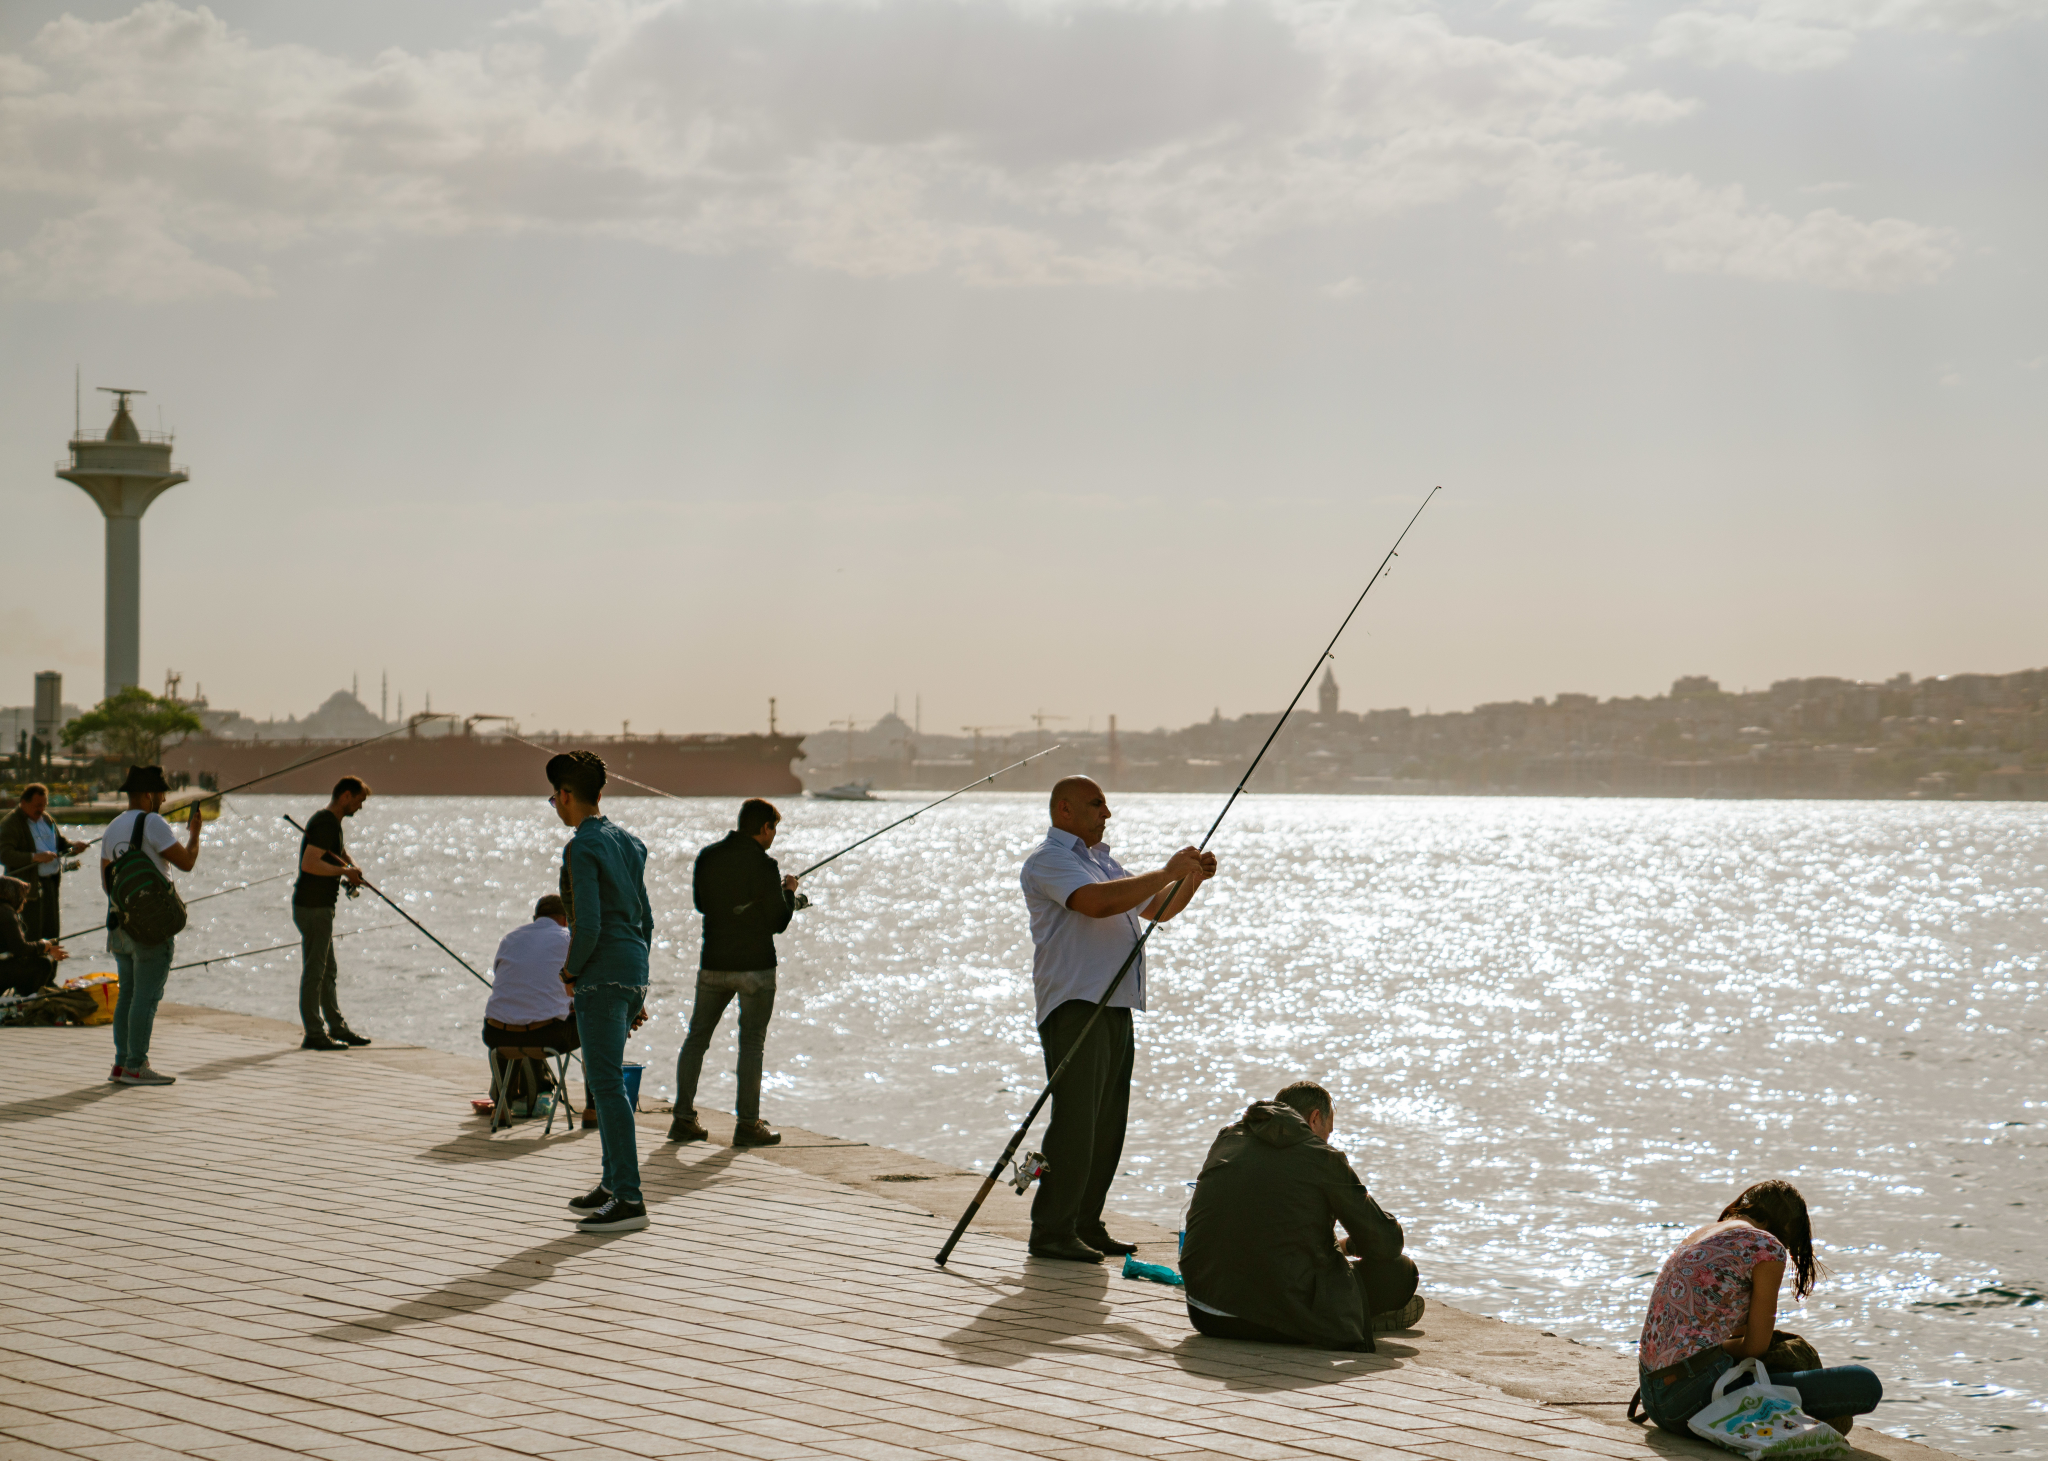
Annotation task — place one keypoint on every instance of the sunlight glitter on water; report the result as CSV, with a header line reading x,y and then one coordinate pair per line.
x,y
1560,1032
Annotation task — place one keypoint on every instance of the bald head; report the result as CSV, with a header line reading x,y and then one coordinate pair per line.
x,y
1078,806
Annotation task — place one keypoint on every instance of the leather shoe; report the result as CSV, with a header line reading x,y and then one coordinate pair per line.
x,y
1070,1250
687,1128
1100,1238
754,1133
348,1037
320,1042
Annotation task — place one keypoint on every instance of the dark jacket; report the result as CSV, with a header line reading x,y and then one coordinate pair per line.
x,y
738,888
1259,1242
18,851
25,970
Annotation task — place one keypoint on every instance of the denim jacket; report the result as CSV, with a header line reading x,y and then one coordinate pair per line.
x,y
604,882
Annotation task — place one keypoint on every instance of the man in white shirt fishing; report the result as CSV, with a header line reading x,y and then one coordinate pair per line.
x,y
144,967
1086,915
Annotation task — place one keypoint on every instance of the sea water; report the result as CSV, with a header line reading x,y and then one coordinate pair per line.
x,y
1560,1033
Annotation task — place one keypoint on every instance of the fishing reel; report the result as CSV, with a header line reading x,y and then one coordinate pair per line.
x,y
354,890
71,865
1028,1169
803,901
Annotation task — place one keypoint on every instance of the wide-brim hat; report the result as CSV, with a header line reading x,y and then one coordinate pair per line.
x,y
144,779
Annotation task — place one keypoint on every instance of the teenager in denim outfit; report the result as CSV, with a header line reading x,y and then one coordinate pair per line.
x,y
604,886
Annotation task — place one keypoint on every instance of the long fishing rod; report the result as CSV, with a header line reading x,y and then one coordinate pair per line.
x,y
272,948
186,807
1165,901
406,916
218,893
923,809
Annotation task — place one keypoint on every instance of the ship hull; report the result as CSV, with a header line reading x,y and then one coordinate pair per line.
x,y
496,766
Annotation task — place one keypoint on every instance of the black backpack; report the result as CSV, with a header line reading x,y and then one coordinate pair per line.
x,y
149,906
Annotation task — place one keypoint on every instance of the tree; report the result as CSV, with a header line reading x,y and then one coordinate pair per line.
x,y
131,726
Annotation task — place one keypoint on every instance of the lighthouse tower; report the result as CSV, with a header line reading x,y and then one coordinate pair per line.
x,y
123,471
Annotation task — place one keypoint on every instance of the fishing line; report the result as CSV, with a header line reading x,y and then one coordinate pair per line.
x,y
218,893
923,809
199,801
1165,902
403,914
614,776
273,948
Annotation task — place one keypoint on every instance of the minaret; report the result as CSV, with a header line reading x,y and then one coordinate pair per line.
x,y
1326,693
123,471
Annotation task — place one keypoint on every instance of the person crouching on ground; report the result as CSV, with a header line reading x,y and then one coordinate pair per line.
x,y
324,865
30,964
144,968
745,901
529,1012
611,929
1258,1258
1715,1303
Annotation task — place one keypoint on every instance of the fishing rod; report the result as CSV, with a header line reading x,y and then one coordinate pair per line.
x,y
923,809
1165,901
219,893
402,913
272,948
199,801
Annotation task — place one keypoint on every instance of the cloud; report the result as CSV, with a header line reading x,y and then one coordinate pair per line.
x,y
1113,143
1808,35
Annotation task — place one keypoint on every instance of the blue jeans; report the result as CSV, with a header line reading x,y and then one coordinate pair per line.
x,y
604,1016
1825,1394
144,969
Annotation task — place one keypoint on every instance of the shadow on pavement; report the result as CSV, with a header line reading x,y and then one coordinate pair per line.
x,y
13,1113
1031,1318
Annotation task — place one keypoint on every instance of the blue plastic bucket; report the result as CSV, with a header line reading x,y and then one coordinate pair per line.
x,y
632,1072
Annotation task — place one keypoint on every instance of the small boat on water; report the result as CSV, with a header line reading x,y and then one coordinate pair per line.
x,y
848,791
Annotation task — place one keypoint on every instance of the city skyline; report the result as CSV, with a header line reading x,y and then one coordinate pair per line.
x,y
1090,370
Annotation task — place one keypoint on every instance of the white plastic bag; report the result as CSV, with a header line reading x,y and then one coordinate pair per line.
x,y
1763,1419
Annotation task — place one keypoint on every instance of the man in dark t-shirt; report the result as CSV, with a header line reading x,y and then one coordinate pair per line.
x,y
323,866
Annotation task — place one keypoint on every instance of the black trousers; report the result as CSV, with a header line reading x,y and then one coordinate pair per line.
x,y
46,910
1084,1140
1382,1289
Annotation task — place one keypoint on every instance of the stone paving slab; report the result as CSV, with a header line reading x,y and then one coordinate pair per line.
x,y
289,1255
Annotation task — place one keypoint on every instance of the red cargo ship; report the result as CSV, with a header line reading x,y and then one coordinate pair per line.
x,y
485,765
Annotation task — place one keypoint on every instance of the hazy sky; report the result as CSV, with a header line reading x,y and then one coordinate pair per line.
x,y
604,360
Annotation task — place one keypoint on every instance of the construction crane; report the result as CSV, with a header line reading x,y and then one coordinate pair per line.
x,y
1040,718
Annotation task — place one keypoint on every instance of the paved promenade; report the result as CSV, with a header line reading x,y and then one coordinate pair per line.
x,y
292,1255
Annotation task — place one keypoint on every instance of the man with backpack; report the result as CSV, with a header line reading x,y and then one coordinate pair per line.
x,y
146,915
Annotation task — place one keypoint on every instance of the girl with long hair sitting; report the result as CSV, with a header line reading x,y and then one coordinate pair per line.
x,y
1716,1304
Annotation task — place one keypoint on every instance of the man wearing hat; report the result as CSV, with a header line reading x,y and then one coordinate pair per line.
x,y
144,968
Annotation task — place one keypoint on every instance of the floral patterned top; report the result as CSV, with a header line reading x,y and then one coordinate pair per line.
x,y
1703,1292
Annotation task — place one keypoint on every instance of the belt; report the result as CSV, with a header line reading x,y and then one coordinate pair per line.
x,y
1685,1369
529,1025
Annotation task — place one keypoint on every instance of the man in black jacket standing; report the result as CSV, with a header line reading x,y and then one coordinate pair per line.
x,y
1258,1257
745,901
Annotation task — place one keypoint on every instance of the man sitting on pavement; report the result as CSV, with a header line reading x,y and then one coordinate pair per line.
x,y
529,1011
1258,1258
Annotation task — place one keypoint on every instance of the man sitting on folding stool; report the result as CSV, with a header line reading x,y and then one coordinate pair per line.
x,y
528,1013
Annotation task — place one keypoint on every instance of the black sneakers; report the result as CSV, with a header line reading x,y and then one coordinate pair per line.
x,y
590,1201
320,1042
348,1037
615,1217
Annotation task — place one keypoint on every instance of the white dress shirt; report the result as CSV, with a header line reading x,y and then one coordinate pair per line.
x,y
1074,956
526,977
